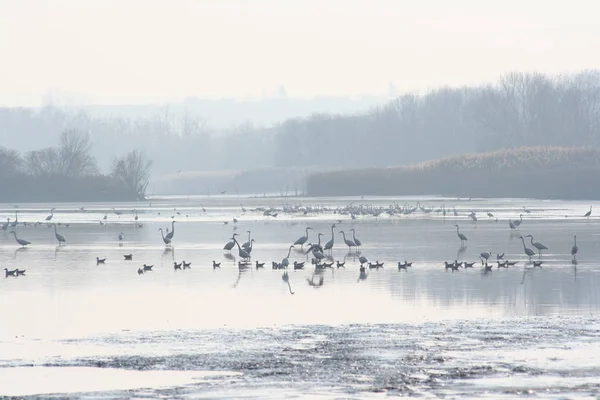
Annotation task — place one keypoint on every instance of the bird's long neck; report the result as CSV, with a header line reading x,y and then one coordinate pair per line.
x,y
319,243
523,240
343,235
531,238
289,252
162,234
332,232
236,242
457,231
354,235
172,226
54,226
249,238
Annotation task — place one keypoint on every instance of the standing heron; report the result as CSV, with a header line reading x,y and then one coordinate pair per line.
x,y
49,217
121,236
22,242
530,253
537,245
230,245
172,233
248,243
241,252
348,242
587,214
61,239
519,221
356,241
329,245
302,239
461,236
165,239
511,224
285,262
485,255
574,249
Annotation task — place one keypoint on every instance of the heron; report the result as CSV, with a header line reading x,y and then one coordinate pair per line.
x,y
165,239
362,260
49,217
511,224
537,245
285,262
61,239
230,245
519,221
329,245
136,215
302,239
248,243
574,249
172,233
461,236
485,255
356,241
249,248
349,243
526,249
241,252
587,214
22,242
121,236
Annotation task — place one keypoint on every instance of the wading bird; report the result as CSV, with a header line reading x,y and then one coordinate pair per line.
x,y
461,236
22,242
537,245
526,249
59,237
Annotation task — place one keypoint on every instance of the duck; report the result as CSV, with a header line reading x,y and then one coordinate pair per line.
x,y
128,257
100,260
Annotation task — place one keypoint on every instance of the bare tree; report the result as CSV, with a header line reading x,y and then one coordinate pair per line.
x,y
133,170
74,150
44,162
10,162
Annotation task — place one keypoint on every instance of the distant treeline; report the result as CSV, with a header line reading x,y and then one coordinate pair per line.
x,y
518,110
532,172
69,173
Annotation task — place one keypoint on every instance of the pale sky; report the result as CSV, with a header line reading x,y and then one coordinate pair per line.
x,y
148,51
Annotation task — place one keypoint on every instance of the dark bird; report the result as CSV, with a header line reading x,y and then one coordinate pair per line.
x,y
186,265
10,273
176,266
100,260
128,257
216,264
148,267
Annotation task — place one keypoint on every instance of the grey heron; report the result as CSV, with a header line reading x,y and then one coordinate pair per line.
x,y
59,237
574,249
285,262
49,217
537,245
348,242
526,249
356,241
165,239
587,214
329,245
230,245
22,242
302,239
461,236
172,233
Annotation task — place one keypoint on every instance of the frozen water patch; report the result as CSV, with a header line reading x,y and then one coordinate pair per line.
x,y
30,381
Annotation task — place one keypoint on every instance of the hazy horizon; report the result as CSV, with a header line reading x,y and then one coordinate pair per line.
x,y
149,52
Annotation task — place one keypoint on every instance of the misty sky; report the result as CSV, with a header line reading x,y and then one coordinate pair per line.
x,y
145,51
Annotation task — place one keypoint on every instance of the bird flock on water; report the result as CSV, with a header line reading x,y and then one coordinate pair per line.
x,y
320,255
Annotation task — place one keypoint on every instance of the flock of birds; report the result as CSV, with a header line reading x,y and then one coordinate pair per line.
x,y
321,254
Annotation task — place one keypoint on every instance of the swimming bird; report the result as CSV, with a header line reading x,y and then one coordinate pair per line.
x,y
176,266
362,260
216,264
22,242
537,245
340,264
148,267
20,272
302,239
574,249
186,265
526,249
537,264
140,271
59,237
461,236
260,265
100,260
8,272
128,257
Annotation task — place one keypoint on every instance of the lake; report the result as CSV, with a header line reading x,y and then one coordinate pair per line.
x,y
73,327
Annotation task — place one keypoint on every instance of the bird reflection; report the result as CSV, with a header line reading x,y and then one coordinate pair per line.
x,y
318,283
460,251
363,274
230,257
19,250
286,278
239,277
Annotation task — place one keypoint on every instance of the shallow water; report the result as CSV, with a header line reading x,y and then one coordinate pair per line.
x,y
71,326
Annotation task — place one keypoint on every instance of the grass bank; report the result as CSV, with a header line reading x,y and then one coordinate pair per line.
x,y
534,172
